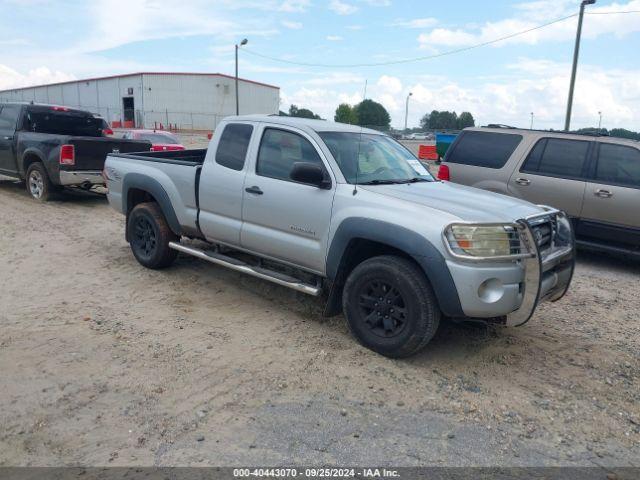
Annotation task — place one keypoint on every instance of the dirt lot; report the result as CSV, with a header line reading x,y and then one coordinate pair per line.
x,y
106,363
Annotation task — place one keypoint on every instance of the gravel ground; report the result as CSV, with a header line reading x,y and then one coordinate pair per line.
x,y
106,363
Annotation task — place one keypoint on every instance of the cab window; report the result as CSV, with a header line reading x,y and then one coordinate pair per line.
x,y
280,149
9,117
233,145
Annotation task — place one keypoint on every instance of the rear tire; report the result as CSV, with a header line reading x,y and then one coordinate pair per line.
x,y
149,236
37,182
390,306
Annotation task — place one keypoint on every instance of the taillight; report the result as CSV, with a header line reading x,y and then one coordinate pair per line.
x,y
67,155
107,131
443,173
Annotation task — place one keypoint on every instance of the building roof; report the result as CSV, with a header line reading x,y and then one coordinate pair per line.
x,y
92,79
306,123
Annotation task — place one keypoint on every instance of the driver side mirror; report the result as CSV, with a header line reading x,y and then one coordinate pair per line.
x,y
310,173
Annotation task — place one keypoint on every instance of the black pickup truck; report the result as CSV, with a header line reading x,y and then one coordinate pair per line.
x,y
51,147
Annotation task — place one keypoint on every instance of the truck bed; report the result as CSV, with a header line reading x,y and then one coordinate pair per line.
x,y
171,173
192,158
92,151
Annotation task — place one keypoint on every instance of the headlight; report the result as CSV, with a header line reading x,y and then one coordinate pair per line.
x,y
483,240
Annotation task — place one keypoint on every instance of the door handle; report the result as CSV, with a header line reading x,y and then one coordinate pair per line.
x,y
603,193
523,181
255,190
8,138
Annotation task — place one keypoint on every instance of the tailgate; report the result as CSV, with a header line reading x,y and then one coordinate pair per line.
x,y
90,152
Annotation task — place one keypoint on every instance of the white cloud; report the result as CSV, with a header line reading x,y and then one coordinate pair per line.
x,y
291,25
342,8
597,22
334,38
416,23
10,78
355,27
538,86
294,5
335,78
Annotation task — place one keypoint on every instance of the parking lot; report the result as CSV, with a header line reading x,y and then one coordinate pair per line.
x,y
107,363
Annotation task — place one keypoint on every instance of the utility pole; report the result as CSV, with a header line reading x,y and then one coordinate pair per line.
x,y
531,126
406,110
243,42
576,50
599,120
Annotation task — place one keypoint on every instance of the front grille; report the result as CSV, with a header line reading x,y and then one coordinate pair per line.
x,y
543,233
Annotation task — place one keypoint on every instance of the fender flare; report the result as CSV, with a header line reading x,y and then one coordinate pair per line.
x,y
153,188
413,244
36,153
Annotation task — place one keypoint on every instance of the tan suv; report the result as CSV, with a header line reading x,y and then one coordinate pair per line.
x,y
595,179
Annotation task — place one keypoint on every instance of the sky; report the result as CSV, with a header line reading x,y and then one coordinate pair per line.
x,y
47,41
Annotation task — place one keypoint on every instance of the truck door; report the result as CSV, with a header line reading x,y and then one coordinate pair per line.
x,y
553,174
8,119
612,196
283,219
221,185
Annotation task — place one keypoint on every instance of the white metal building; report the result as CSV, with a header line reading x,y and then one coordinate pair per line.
x,y
195,101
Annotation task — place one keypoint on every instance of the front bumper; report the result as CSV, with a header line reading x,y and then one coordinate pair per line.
x,y
548,272
81,177
507,290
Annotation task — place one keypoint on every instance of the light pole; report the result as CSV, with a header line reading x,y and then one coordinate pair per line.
x,y
576,50
599,120
531,126
406,110
243,42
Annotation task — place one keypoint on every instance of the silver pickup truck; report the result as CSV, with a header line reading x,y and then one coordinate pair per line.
x,y
334,209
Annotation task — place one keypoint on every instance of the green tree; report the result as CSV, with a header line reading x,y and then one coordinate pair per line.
x,y
345,113
294,111
372,114
624,133
444,120
466,120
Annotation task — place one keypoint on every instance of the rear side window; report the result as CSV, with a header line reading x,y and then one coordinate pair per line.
x,y
63,122
618,165
557,157
279,150
233,145
9,116
484,149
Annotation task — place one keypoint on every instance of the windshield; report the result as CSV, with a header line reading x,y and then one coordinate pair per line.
x,y
158,138
373,158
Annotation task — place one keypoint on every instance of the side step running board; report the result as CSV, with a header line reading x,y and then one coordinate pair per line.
x,y
239,266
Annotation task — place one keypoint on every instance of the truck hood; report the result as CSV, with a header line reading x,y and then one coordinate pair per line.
x,y
466,203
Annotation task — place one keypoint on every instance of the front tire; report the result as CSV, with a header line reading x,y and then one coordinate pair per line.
x,y
149,236
390,306
37,182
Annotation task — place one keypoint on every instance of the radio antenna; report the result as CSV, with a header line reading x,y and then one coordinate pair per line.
x,y
355,185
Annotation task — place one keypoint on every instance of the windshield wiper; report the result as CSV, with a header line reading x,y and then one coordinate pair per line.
x,y
418,179
380,182
395,181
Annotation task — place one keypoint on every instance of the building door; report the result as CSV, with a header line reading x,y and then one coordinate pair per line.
x,y
128,109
